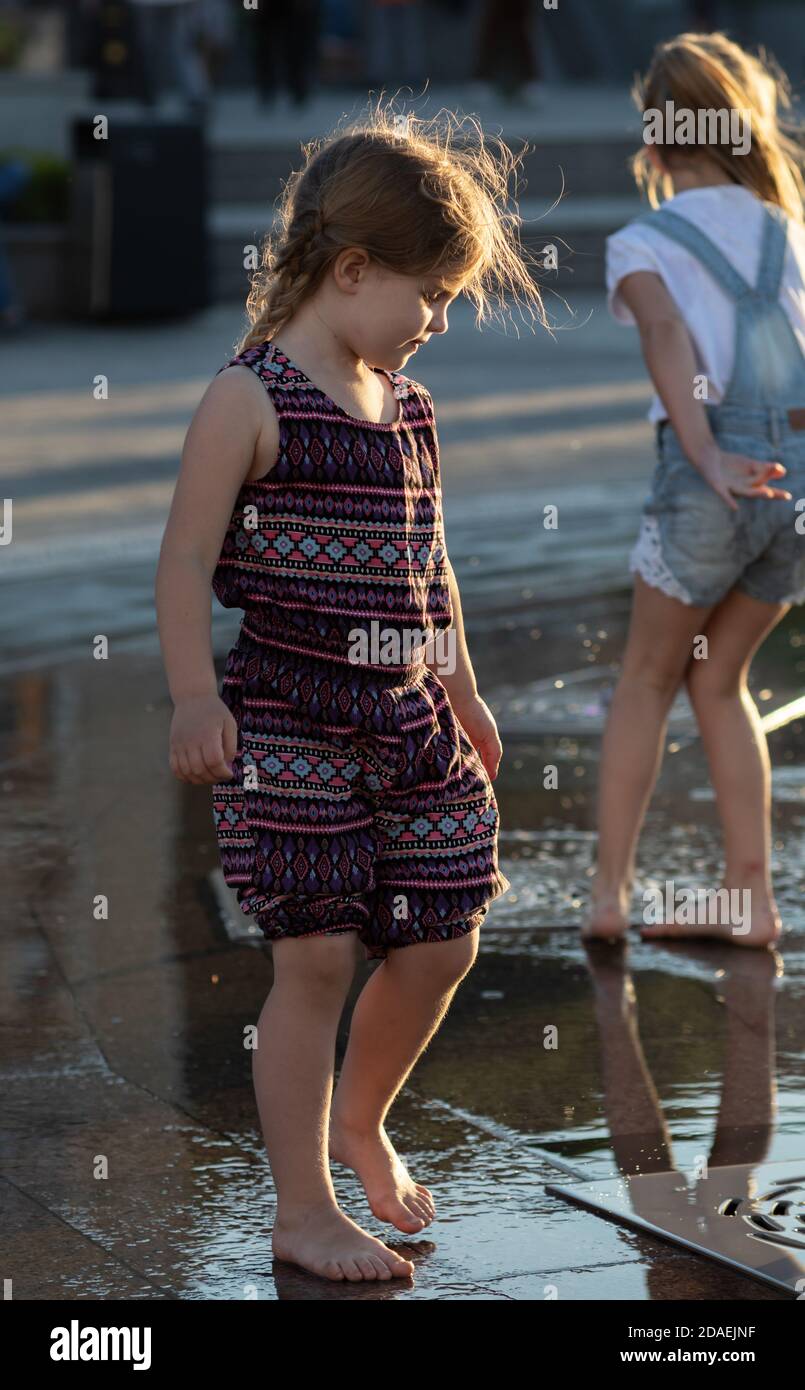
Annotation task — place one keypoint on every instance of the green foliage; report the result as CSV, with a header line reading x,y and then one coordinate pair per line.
x,y
13,34
46,196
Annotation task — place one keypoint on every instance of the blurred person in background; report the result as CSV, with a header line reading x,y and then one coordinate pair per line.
x,y
215,35
395,42
287,39
506,57
702,14
169,29
341,54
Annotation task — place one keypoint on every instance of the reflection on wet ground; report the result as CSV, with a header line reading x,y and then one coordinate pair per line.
x,y
124,1035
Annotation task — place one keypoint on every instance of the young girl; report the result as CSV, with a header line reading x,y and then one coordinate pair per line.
x,y
715,280
359,804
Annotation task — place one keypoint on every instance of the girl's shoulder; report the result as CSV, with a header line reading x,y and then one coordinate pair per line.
x,y
729,215
252,356
635,238
407,389
631,249
716,203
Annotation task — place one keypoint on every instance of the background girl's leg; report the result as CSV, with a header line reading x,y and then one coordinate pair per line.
x,y
188,67
301,45
268,27
658,649
397,1013
737,754
293,1077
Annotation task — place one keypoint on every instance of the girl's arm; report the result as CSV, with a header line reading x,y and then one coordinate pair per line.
x,y
460,685
669,356
472,713
218,453
671,361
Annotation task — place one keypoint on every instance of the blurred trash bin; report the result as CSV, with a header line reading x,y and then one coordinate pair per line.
x,y
138,234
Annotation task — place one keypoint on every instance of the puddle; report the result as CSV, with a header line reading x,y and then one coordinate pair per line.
x,y
553,1065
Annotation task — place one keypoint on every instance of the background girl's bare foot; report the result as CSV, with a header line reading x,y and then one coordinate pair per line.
x,y
325,1241
765,927
608,917
390,1190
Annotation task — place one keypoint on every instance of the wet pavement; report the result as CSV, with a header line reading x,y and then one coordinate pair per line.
x,y
132,1163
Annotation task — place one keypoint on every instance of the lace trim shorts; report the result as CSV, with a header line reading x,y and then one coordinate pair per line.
x,y
693,548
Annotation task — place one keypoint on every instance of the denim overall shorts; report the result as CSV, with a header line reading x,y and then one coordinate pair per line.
x,y
692,546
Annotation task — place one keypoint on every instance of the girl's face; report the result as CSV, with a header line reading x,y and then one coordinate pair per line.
x,y
392,314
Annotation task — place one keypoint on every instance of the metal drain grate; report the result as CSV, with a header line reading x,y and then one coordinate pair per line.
x,y
777,1216
750,1217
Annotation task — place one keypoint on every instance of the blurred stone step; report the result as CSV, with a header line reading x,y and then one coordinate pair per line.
x,y
585,165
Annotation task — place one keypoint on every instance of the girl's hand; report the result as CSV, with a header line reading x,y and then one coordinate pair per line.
x,y
478,722
203,739
730,474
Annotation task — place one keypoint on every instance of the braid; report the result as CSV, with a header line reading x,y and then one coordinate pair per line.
x,y
289,273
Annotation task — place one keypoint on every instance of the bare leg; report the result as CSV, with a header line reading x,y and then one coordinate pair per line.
x,y
658,649
641,1138
396,1015
739,763
293,1076
748,1106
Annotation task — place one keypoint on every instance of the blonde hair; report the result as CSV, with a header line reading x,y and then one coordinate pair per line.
x,y
708,71
419,196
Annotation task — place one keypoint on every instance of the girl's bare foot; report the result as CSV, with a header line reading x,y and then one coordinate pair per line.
x,y
325,1241
391,1192
609,915
762,918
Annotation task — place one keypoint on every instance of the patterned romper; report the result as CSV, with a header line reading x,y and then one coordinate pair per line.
x,y
358,802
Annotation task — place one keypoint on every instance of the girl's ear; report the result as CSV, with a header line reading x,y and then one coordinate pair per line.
x,y
349,267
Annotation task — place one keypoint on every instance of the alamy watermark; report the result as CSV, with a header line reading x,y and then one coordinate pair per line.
x,y
391,646
707,125
730,907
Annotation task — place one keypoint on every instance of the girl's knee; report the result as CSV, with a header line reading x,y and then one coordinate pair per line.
x,y
446,962
653,676
705,683
325,963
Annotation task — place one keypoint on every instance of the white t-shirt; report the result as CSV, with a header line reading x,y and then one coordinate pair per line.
x,y
732,217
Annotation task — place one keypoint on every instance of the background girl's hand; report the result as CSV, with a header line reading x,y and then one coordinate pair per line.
x,y
735,475
478,722
203,740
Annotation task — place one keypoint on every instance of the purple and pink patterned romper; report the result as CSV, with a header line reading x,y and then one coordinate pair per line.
x,y
358,802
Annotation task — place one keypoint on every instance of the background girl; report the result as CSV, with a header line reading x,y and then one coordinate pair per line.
x,y
360,803
715,280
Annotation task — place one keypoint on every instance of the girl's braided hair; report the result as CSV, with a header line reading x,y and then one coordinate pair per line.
x,y
419,196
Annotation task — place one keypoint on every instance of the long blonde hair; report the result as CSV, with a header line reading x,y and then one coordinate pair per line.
x,y
702,72
419,196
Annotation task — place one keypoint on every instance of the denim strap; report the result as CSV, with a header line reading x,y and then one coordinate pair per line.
x,y
681,230
772,252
